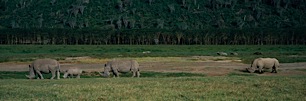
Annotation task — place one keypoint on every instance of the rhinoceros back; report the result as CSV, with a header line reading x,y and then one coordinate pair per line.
x,y
45,65
74,71
124,65
268,62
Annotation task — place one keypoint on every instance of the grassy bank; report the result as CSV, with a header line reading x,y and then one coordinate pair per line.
x,y
179,88
26,53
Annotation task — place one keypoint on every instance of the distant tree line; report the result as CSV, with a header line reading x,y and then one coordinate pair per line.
x,y
152,14
151,22
153,37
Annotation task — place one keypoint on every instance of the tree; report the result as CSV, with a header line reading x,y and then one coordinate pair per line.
x,y
119,24
160,23
171,8
120,5
132,23
179,36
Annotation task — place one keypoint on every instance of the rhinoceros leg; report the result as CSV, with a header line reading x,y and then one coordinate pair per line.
x,y
53,74
274,69
58,74
134,74
260,69
65,75
116,73
78,76
137,73
39,74
71,75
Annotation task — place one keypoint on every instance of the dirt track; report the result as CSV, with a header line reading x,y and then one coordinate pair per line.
x,y
208,67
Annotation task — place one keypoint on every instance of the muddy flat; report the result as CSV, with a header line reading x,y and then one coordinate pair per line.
x,y
211,66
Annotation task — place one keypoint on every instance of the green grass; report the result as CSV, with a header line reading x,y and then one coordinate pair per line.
x,y
21,75
304,70
27,53
241,74
151,85
171,88
12,75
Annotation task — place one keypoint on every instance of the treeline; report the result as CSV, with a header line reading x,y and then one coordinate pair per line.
x,y
150,22
152,14
153,37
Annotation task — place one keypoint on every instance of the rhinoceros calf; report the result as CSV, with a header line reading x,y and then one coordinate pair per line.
x,y
40,66
264,63
234,53
121,66
222,53
73,71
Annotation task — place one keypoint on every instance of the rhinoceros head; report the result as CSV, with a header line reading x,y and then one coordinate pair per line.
x,y
31,73
251,70
30,77
106,74
107,68
65,75
253,66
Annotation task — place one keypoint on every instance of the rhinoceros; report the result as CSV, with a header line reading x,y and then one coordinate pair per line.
x,y
40,66
264,63
72,71
222,53
121,66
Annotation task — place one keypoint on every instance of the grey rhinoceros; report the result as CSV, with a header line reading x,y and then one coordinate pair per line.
x,y
40,66
121,66
264,63
222,53
72,71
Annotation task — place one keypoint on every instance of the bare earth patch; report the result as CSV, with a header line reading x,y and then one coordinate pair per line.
x,y
209,65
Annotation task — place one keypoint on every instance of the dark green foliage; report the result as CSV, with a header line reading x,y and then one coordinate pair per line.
x,y
176,14
257,36
208,22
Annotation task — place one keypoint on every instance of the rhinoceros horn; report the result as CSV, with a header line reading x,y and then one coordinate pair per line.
x,y
251,70
103,74
31,72
27,76
30,77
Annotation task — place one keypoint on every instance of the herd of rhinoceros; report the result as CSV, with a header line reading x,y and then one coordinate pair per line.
x,y
115,67
40,66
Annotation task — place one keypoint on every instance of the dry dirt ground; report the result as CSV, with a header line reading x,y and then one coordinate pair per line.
x,y
211,66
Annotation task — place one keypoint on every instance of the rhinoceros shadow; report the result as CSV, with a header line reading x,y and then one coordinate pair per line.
x,y
246,71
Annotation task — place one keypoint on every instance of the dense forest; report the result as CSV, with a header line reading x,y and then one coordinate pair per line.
x,y
148,22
